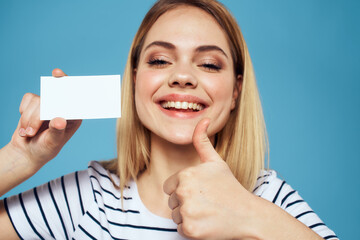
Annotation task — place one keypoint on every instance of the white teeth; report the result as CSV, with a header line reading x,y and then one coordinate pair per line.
x,y
178,105
183,105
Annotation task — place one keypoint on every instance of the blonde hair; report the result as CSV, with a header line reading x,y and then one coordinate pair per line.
x,y
242,143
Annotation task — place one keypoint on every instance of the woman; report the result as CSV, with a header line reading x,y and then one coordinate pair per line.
x,y
191,148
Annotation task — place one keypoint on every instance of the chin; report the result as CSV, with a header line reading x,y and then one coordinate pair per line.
x,y
178,136
181,138
181,141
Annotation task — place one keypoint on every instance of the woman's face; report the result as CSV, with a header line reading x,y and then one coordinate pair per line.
x,y
185,73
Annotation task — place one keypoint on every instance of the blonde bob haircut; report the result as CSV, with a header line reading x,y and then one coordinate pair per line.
x,y
242,143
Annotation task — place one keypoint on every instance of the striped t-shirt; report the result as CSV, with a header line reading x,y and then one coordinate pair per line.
x,y
87,205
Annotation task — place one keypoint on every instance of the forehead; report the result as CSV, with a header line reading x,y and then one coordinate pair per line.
x,y
187,26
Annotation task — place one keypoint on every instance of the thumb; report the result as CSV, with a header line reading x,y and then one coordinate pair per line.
x,y
56,132
58,73
202,143
61,129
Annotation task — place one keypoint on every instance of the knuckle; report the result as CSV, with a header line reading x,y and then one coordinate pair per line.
x,y
183,192
29,99
185,211
203,139
35,99
24,119
33,120
186,173
28,96
189,229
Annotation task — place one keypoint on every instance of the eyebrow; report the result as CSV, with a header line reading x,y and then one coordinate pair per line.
x,y
166,45
170,46
207,48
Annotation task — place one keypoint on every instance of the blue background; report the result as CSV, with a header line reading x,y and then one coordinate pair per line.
x,y
306,59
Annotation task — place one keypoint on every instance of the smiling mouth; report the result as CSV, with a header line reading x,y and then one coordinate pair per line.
x,y
182,106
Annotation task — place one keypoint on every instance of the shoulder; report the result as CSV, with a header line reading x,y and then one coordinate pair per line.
x,y
104,184
269,186
101,177
54,209
264,180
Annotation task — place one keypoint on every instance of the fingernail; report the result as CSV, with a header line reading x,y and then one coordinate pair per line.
x,y
22,132
29,130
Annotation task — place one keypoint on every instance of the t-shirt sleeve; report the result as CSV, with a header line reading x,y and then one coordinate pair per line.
x,y
52,210
282,194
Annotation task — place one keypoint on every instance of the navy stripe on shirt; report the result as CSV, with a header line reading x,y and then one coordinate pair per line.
x,y
27,217
107,191
286,197
266,182
58,211
136,226
42,212
88,234
66,200
304,213
11,220
102,227
278,192
295,202
330,236
78,188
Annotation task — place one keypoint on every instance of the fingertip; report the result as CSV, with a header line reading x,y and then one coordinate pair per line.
x,y
202,143
29,131
206,123
57,72
58,123
201,128
22,132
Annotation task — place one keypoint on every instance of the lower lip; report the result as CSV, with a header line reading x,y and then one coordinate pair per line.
x,y
181,114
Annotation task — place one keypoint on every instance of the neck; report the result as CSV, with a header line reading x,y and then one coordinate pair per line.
x,y
166,159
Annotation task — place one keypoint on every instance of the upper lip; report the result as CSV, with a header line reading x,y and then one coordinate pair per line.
x,y
181,98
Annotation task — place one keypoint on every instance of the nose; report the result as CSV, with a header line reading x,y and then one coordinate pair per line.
x,y
183,78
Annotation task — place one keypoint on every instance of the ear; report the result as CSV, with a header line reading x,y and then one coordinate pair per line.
x,y
237,90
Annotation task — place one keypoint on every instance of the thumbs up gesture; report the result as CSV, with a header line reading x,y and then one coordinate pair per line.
x,y
207,201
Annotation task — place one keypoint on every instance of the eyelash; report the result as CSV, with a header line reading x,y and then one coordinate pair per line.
x,y
211,67
156,62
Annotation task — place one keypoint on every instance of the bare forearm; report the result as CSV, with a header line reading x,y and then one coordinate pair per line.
x,y
275,223
14,169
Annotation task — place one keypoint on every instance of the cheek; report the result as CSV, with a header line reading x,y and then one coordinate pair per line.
x,y
220,89
146,85
147,82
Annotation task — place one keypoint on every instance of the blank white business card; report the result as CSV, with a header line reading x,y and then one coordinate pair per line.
x,y
80,97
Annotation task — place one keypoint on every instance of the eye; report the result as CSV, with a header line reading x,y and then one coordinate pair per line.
x,y
157,62
212,67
